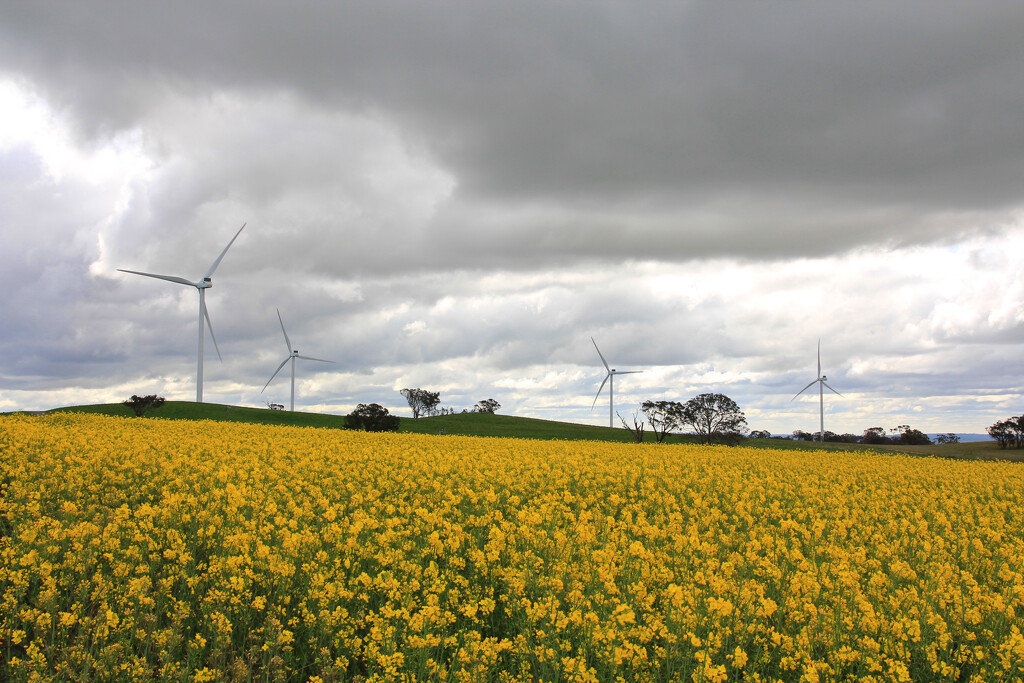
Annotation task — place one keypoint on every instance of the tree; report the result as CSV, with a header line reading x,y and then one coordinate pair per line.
x,y
637,430
832,437
421,401
140,404
874,436
1002,432
714,417
488,405
663,416
947,438
371,418
1009,433
760,434
909,437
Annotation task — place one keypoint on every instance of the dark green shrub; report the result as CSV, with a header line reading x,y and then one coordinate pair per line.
x,y
140,404
371,418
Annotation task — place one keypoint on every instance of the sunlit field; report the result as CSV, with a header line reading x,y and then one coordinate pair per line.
x,y
145,549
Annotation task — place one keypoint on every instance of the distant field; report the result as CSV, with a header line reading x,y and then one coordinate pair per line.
x,y
478,424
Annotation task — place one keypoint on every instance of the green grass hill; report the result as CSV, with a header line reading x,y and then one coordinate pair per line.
x,y
468,424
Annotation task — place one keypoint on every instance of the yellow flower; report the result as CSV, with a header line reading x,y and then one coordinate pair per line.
x,y
314,542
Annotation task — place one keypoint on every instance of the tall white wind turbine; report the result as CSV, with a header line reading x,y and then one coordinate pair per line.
x,y
822,385
292,355
610,378
202,286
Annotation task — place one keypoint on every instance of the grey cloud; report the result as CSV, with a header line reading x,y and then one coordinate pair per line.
x,y
687,130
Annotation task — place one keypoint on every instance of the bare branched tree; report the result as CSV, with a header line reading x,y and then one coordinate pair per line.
x,y
637,430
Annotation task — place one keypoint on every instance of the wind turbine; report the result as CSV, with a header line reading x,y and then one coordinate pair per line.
x,y
292,355
821,395
202,286
611,385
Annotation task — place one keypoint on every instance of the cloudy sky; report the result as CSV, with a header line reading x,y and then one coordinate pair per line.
x,y
458,196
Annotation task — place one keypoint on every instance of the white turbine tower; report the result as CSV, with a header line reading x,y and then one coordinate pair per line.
x,y
610,378
202,286
292,355
822,384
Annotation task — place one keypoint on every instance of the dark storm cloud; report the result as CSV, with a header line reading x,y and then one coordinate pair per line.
x,y
676,129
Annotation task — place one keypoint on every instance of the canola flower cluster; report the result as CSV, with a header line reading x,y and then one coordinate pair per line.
x,y
199,551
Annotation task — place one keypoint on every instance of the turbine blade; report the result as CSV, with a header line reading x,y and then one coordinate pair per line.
x,y
275,374
606,367
819,357
169,278
831,389
216,263
316,359
286,339
626,372
599,390
805,389
206,314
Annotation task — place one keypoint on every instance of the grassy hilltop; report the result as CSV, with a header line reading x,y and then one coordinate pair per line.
x,y
467,424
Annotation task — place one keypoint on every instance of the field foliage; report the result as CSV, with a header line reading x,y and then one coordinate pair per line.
x,y
149,549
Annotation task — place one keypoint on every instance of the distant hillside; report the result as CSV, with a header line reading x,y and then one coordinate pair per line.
x,y
189,410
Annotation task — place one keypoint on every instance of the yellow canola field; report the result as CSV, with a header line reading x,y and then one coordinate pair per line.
x,y
144,549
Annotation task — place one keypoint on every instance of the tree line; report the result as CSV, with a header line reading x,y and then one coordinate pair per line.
x,y
901,435
713,418
374,417
716,418
1008,433
428,403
